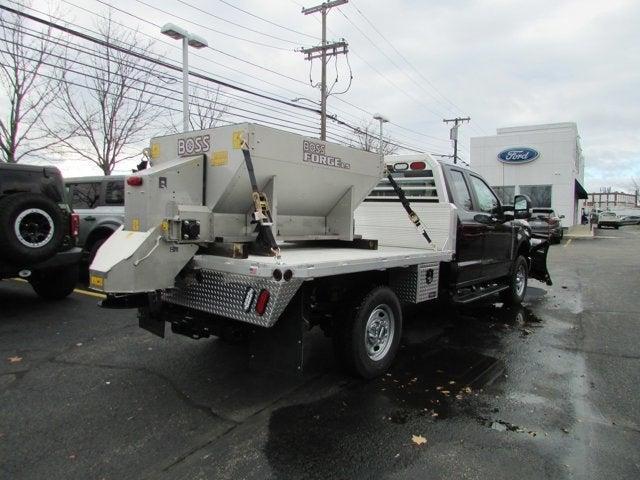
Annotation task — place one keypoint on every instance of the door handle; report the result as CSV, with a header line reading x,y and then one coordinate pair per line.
x,y
90,219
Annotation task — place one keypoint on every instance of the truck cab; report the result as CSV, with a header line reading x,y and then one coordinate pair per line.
x,y
489,236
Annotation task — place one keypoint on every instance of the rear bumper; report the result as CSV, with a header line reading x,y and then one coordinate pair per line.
x,y
61,259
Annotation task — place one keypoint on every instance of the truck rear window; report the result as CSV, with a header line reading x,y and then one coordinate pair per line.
x,y
418,185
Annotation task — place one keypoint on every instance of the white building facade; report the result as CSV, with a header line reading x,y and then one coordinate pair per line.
x,y
544,162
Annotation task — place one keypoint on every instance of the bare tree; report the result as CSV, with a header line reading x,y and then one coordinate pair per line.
x,y
207,109
368,139
29,60
107,103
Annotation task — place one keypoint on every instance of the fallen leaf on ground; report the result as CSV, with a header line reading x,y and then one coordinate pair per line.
x,y
418,439
15,359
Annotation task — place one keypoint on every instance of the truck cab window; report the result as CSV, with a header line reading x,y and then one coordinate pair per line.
x,y
461,190
85,195
487,201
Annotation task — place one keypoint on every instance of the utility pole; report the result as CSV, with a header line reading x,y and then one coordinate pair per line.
x,y
453,134
323,51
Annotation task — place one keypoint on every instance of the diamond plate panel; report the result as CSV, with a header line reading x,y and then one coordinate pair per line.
x,y
223,294
417,283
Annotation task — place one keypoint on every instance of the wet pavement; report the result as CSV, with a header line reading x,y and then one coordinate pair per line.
x,y
548,390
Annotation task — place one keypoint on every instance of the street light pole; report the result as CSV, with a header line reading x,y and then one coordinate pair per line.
x,y
185,84
188,40
382,121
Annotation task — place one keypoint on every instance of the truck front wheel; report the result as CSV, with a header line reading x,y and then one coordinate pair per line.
x,y
517,282
367,340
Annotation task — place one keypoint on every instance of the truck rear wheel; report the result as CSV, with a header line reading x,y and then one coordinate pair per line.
x,y
517,282
366,342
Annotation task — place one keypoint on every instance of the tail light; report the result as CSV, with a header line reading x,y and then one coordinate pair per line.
x,y
134,181
261,303
417,165
74,225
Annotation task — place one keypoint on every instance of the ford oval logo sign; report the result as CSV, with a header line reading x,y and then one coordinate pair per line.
x,y
518,155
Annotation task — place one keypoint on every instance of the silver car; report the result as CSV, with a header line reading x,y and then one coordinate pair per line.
x,y
100,203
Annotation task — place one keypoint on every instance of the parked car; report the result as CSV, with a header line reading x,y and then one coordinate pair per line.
x,y
630,220
38,230
544,222
608,219
99,201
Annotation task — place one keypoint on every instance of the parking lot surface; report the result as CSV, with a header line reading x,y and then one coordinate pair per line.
x,y
550,390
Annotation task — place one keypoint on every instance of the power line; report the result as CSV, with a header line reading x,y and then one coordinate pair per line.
x,y
244,61
173,15
239,25
268,21
175,68
143,82
401,55
104,43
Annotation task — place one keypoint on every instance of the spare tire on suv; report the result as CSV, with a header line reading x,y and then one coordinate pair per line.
x,y
32,228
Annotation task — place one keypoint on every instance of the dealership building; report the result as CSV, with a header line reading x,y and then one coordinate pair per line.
x,y
544,162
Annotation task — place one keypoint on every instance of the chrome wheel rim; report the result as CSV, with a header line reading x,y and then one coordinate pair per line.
x,y
521,280
34,228
379,332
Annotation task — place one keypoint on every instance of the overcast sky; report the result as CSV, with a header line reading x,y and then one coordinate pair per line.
x,y
503,62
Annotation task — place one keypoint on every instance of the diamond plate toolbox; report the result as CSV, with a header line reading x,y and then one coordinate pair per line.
x,y
417,283
224,294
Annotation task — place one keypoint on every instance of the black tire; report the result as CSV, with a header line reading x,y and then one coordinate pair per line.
x,y
31,228
616,227
56,283
514,295
94,250
378,311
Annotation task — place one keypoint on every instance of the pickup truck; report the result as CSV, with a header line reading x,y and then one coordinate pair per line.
x,y
344,240
38,230
99,202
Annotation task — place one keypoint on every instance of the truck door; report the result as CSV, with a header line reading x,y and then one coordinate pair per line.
x,y
498,234
471,233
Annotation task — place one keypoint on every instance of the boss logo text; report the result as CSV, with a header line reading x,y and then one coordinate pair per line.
x,y
193,145
315,153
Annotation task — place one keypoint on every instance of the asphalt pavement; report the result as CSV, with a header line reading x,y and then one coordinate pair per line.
x,y
549,390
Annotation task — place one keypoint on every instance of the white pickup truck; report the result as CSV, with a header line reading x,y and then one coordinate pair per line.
x,y
244,225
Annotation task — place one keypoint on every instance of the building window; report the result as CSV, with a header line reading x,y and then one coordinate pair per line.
x,y
505,194
540,195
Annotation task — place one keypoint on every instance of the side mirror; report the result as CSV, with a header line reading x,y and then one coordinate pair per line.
x,y
521,207
561,217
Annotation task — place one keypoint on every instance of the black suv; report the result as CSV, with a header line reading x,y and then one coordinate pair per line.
x,y
38,230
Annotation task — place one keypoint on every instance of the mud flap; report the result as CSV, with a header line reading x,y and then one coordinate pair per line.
x,y
150,316
281,347
538,270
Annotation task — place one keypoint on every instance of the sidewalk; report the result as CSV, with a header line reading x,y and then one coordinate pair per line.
x,y
579,231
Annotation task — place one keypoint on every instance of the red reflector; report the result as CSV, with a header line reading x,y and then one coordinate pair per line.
x,y
261,303
418,165
74,224
134,181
